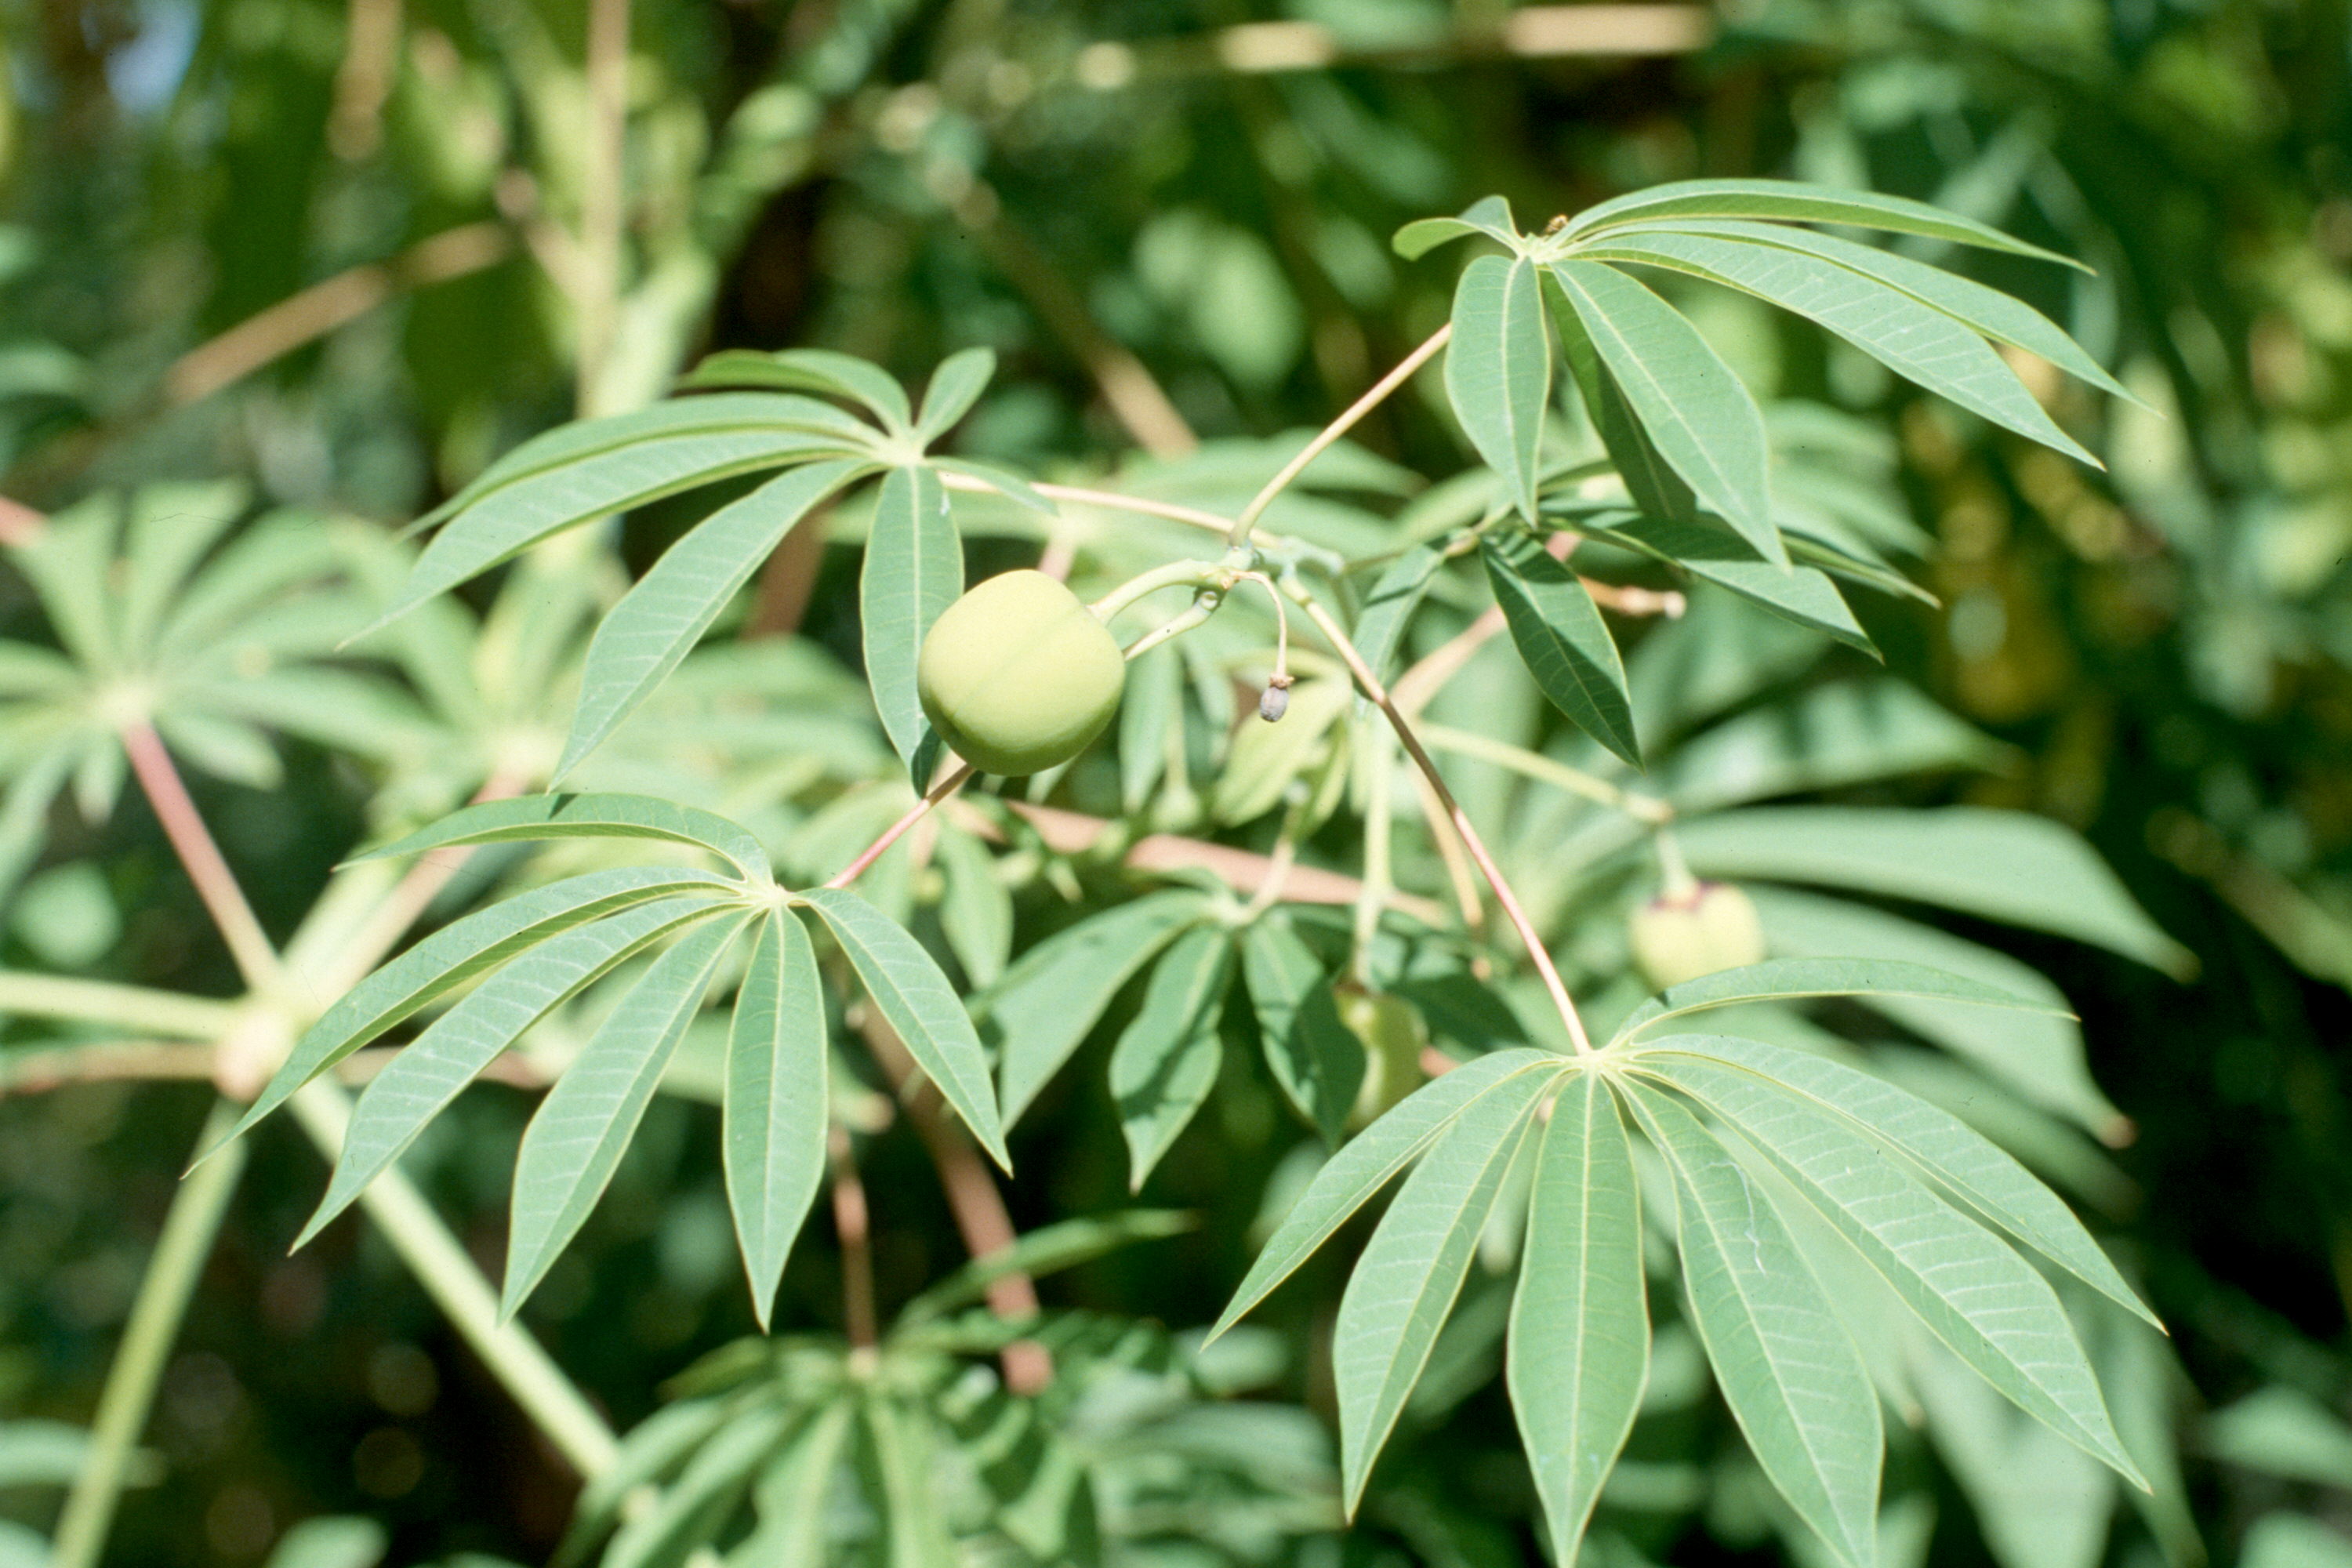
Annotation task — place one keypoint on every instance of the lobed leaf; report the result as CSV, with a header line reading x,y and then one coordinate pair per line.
x,y
1562,640
1691,404
776,1103
1050,999
1577,1356
914,570
428,1073
918,1004
1405,1283
577,1137
1166,1059
604,816
1499,369
661,618
1791,201
1994,1311
1316,1058
456,953
1783,1361
1782,979
1946,1147
954,387
1366,1164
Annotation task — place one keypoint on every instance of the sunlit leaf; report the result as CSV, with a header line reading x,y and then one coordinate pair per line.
x,y
777,1103
1563,640
545,816
1782,979
1788,201
914,570
1319,1062
954,387
1499,369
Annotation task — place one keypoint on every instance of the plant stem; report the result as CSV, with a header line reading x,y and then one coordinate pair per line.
x,y
892,834
853,1226
198,1211
1174,574
1535,765
1537,952
121,1006
597,306
1338,427
1380,815
457,1288
215,884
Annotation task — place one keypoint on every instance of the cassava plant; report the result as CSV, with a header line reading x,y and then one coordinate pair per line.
x,y
1445,967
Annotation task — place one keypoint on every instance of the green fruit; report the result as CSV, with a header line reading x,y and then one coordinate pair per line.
x,y
1393,1040
1017,676
1679,937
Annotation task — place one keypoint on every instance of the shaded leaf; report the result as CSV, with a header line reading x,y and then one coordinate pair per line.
x,y
1499,369
1793,202
1563,640
597,815
777,1101
1387,609
1064,1244
1781,979
1489,215
1316,1058
914,570
827,371
954,387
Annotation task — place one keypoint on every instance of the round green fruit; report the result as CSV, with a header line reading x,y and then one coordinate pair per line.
x,y
1679,937
1017,676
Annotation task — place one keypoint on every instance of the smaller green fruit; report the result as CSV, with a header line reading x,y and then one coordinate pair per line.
x,y
1018,676
1679,937
1394,1039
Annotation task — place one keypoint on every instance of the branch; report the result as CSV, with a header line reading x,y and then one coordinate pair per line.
x,y
1371,399
215,884
939,791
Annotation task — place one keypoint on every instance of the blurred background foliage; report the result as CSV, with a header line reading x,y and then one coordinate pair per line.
x,y
332,250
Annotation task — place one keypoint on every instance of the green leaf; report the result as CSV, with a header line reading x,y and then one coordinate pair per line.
x,y
651,1452
1489,215
2040,1055
1387,609
1004,481
575,1140
697,1506
1166,1059
1063,1245
427,1073
1052,996
1562,640
2285,1540
332,1541
1266,760
2039,1501
914,570
975,906
1792,202
2282,1431
1692,406
777,1101
903,1481
1946,1147
1578,1353
954,387
808,370
1499,369
1801,594
456,953
1915,340
726,414
1151,715
1404,1284
792,1496
1316,1058
1650,480
1783,1361
512,519
2005,865
542,816
1782,979
659,620
1999,316
920,1004
1849,733
1995,1311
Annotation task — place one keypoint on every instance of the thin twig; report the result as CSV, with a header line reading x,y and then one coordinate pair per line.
x,y
1372,399
1537,952
891,835
215,884
853,1226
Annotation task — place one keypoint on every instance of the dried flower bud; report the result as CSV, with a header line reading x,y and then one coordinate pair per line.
x,y
1273,703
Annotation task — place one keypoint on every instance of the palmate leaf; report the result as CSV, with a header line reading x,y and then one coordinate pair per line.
x,y
575,1140
1166,1059
1499,369
1783,1361
513,518
1786,979
919,1005
595,816
1948,1149
914,571
1562,640
896,1458
659,621
1915,340
427,1073
1368,1161
693,1507
1404,1284
1053,993
954,387
792,1495
1789,201
809,370
776,1102
1319,1062
456,953
1692,406
2006,866
1489,215
1579,1347
1988,1305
